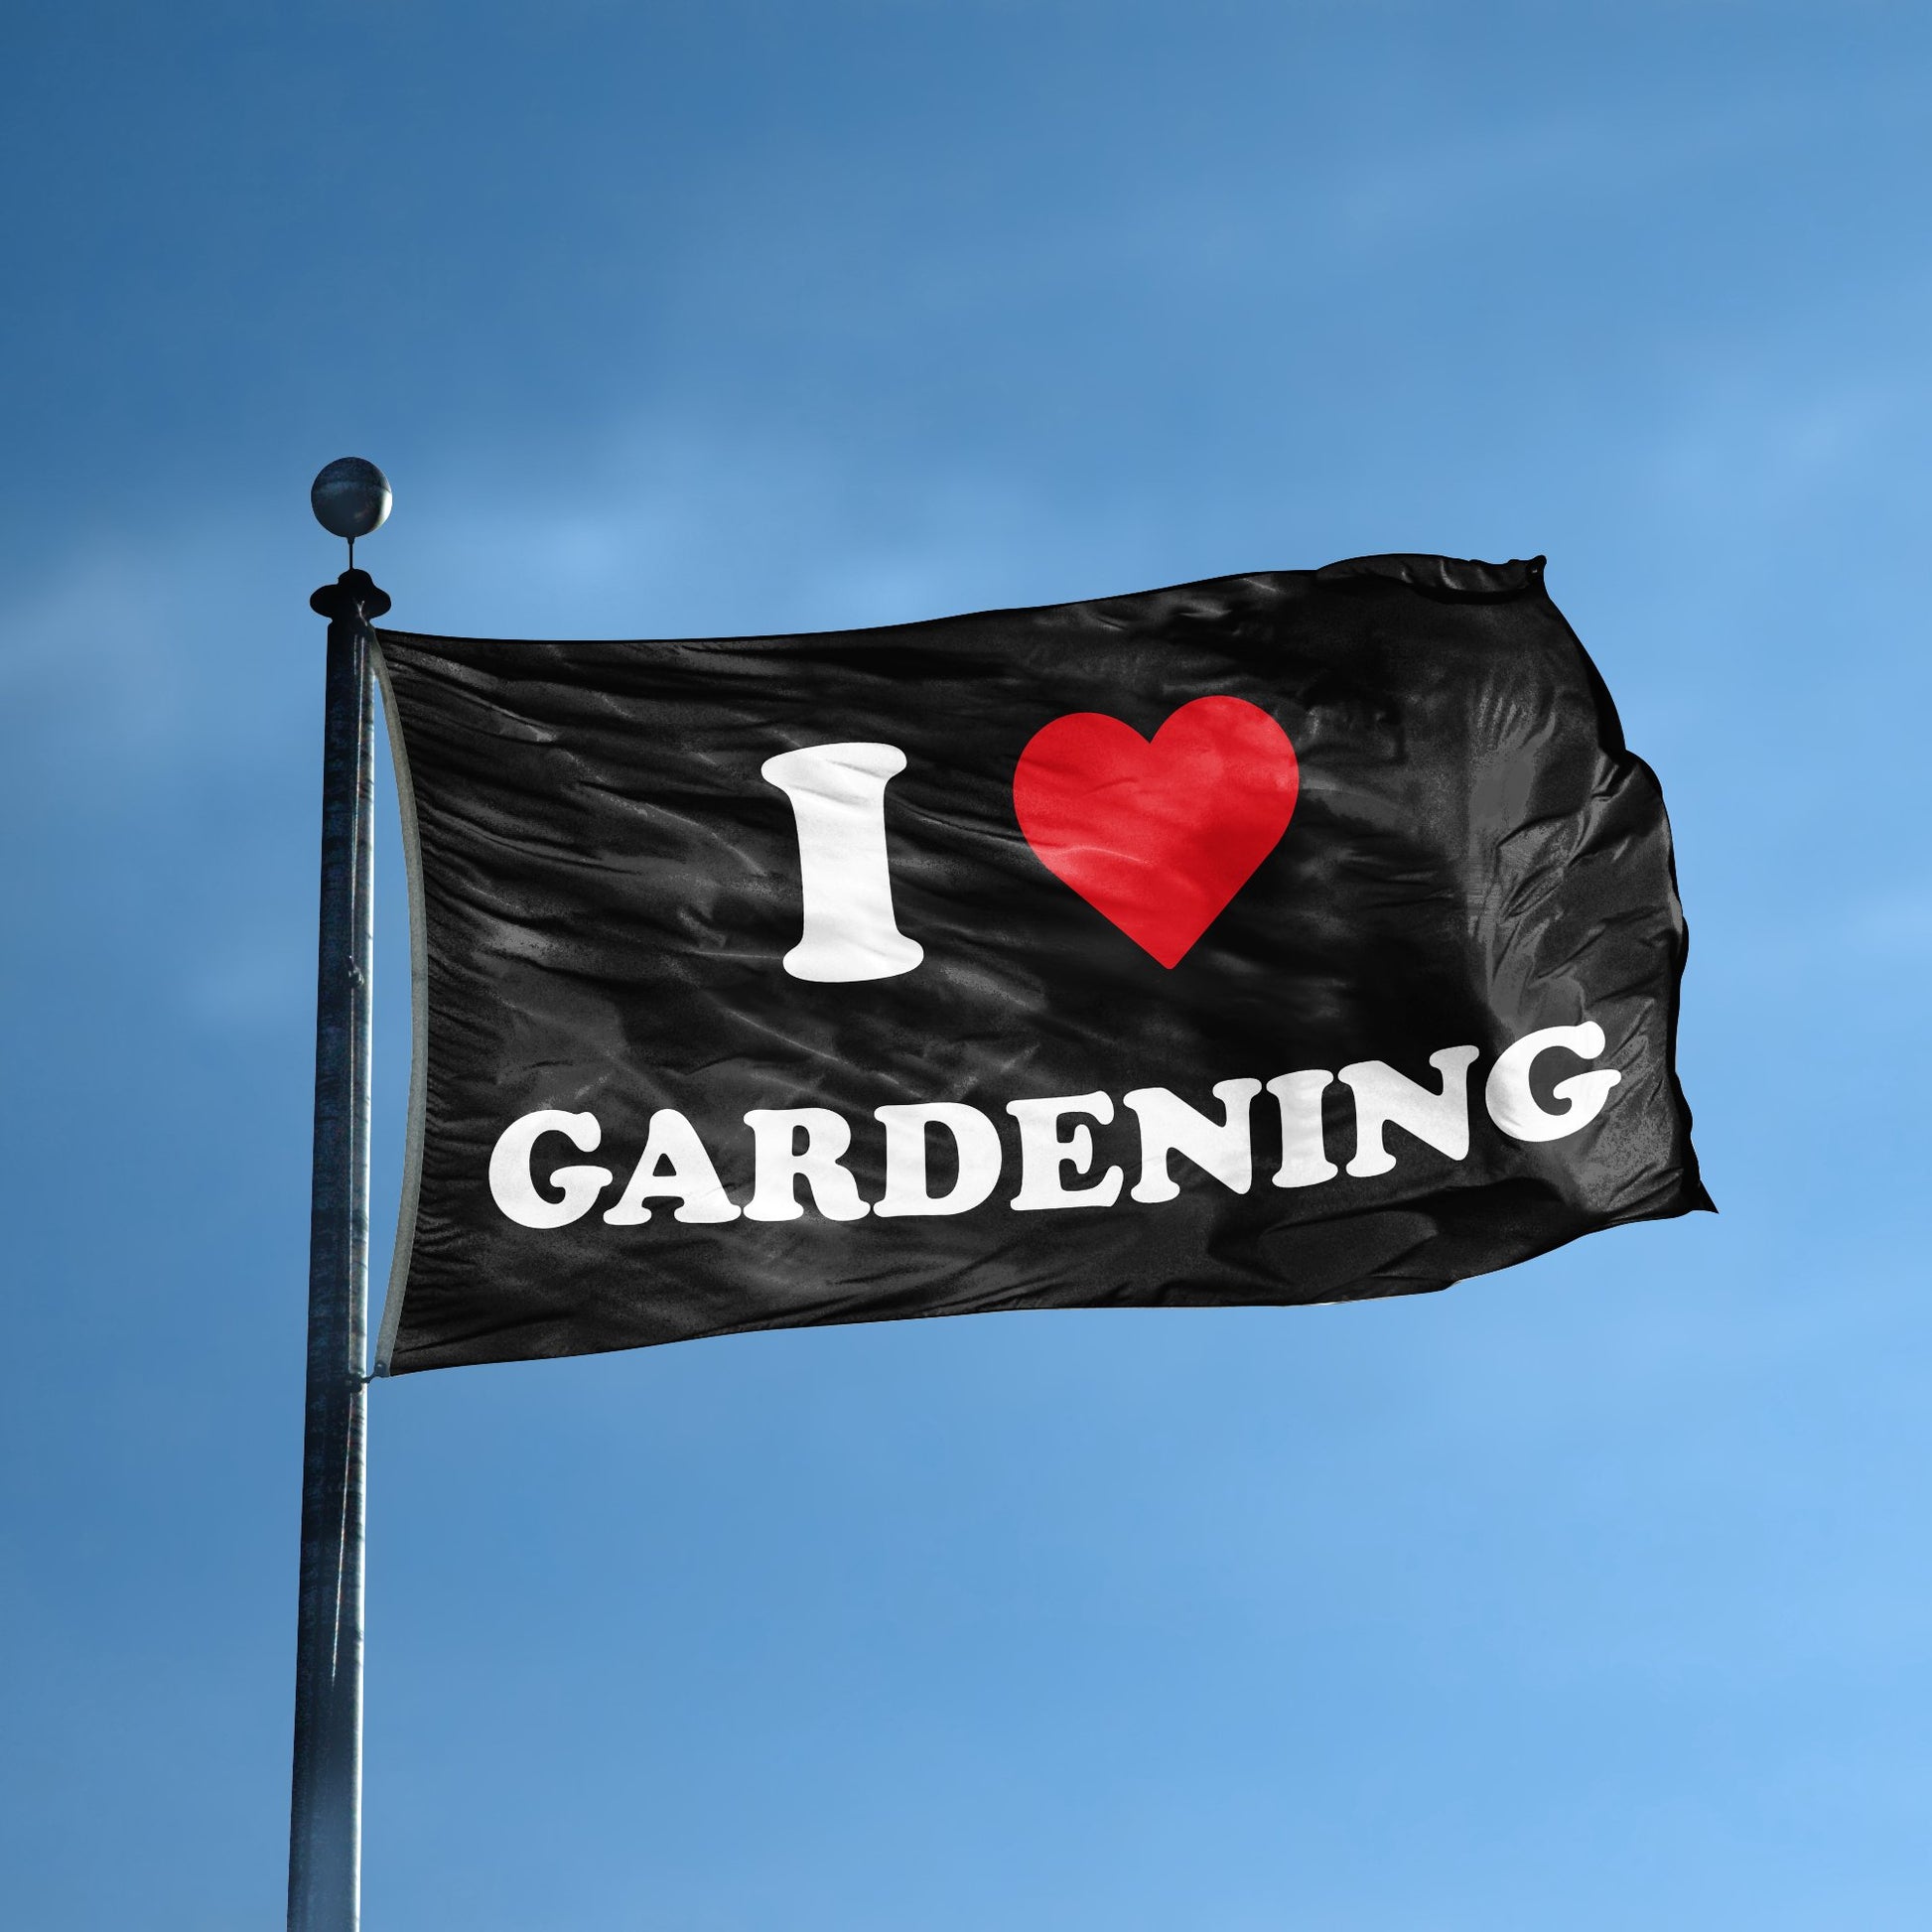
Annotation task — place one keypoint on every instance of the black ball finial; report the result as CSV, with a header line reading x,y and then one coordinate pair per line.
x,y
350,497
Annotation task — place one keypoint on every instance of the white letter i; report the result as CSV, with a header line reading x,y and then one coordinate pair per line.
x,y
838,799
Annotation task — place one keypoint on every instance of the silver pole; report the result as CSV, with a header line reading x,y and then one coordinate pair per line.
x,y
326,1820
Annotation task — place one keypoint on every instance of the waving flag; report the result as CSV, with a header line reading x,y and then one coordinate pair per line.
x,y
1290,938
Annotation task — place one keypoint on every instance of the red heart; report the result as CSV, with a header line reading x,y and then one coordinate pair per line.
x,y
1160,836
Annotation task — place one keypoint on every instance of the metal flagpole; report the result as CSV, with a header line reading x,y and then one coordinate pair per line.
x,y
351,498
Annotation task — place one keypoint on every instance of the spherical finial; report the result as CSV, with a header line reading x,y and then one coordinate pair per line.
x,y
350,497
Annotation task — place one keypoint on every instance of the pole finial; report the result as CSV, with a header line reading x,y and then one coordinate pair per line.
x,y
350,497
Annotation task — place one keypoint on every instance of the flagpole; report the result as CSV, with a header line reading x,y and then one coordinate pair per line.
x,y
326,1810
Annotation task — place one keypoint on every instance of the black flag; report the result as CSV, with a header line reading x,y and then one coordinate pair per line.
x,y
1292,937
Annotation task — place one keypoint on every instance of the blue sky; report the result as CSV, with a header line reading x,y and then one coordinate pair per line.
x,y
1594,1594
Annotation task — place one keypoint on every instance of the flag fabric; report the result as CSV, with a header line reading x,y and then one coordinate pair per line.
x,y
1293,937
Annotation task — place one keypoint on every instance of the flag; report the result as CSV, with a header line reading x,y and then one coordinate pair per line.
x,y
1293,937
